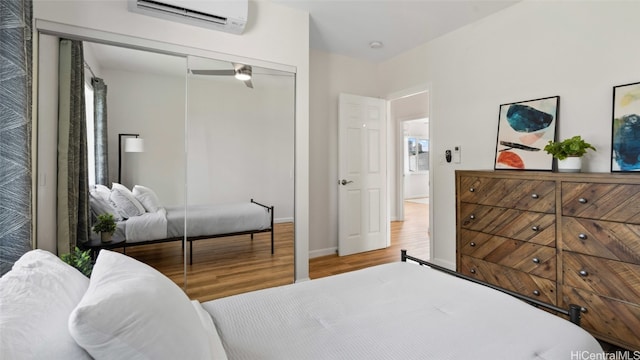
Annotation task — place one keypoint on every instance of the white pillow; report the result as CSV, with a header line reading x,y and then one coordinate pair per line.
x,y
100,206
147,197
36,298
124,201
212,333
131,311
103,191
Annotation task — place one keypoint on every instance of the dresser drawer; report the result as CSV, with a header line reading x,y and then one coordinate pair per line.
x,y
612,202
534,195
614,279
611,240
520,255
538,228
611,320
521,282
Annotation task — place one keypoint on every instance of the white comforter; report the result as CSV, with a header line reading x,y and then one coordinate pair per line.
x,y
148,226
393,311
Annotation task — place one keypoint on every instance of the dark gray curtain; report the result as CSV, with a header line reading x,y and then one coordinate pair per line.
x,y
100,129
15,131
73,190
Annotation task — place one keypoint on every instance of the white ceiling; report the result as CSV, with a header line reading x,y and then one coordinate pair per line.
x,y
346,27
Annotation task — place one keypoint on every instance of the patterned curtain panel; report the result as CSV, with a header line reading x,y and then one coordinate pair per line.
x,y
73,189
100,129
15,131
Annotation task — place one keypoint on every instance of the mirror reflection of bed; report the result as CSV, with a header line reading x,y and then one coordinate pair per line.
x,y
207,140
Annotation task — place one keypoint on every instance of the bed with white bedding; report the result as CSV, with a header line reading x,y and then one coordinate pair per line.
x,y
143,220
202,222
395,311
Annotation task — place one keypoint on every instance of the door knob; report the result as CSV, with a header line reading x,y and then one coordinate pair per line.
x,y
345,182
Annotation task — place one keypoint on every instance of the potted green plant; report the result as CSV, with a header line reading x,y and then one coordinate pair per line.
x,y
79,259
569,153
105,226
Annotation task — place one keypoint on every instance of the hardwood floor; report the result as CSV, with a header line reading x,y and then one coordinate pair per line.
x,y
410,234
228,266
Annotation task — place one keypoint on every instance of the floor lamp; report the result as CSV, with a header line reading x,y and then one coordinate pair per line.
x,y
134,143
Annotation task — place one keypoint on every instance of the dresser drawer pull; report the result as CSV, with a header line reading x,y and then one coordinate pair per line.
x,y
583,310
472,216
583,273
582,236
472,189
536,292
472,244
536,260
582,201
535,228
473,271
535,196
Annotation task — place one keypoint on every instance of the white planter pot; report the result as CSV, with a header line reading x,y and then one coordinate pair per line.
x,y
570,164
105,237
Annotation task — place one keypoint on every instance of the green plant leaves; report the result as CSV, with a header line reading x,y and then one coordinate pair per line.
x,y
574,146
79,259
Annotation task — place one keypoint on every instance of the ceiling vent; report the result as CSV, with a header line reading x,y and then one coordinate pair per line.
x,y
223,15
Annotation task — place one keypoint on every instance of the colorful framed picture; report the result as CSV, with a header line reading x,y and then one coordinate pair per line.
x,y
625,134
524,128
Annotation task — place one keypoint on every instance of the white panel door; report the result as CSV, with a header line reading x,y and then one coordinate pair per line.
x,y
362,199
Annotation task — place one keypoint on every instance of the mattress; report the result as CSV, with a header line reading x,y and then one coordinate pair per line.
x,y
217,219
202,220
393,311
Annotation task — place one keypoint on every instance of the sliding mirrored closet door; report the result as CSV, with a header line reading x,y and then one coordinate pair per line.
x,y
146,142
205,140
130,94
240,148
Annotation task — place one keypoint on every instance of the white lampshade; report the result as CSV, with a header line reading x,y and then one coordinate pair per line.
x,y
134,145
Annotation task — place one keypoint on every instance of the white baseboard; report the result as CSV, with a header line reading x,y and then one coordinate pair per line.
x,y
417,196
322,252
282,220
445,263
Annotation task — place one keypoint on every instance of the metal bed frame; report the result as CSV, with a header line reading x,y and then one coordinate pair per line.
x,y
191,239
573,312
251,232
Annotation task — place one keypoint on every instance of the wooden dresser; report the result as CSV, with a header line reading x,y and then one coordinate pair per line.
x,y
561,238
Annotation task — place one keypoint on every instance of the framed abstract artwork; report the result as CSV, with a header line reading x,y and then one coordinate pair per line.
x,y
524,128
625,134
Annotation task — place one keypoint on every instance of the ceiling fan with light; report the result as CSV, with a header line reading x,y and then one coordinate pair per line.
x,y
242,72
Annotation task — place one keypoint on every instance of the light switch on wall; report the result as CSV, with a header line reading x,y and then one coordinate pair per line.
x,y
456,154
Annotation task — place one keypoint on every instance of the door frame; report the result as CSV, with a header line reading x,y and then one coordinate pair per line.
x,y
397,153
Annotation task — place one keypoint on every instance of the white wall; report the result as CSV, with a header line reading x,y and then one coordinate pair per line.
x,y
285,41
577,50
330,75
153,106
240,142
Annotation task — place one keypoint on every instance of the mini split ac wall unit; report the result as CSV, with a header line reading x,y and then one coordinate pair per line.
x,y
224,15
